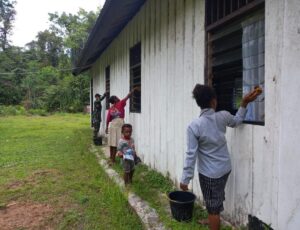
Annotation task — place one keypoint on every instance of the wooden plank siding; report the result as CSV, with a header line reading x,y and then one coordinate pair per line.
x,y
172,36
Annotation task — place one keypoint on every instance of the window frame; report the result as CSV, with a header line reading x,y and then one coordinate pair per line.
x,y
251,5
135,76
210,27
107,86
92,100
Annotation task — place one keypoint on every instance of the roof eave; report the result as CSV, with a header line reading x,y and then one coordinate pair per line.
x,y
114,16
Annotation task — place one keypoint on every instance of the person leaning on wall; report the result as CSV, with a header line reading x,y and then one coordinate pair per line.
x,y
207,148
115,120
96,118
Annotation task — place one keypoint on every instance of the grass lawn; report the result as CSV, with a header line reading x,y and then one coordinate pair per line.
x,y
48,176
153,187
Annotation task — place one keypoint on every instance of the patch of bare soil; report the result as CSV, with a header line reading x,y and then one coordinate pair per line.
x,y
25,216
15,185
33,179
45,172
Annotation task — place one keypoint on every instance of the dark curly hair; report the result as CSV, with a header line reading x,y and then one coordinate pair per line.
x,y
126,126
203,95
113,99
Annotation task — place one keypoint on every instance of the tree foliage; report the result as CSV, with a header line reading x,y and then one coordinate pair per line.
x,y
39,74
67,26
7,17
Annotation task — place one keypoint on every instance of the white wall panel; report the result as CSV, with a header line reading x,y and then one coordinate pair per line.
x,y
289,144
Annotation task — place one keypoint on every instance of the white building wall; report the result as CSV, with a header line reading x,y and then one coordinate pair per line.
x,y
289,144
168,31
172,36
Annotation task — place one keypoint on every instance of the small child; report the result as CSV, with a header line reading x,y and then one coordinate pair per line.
x,y
207,145
126,151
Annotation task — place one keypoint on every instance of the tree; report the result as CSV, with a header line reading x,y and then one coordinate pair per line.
x,y
49,48
11,60
39,75
36,83
12,65
74,29
7,17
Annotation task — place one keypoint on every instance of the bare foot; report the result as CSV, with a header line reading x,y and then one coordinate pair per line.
x,y
203,222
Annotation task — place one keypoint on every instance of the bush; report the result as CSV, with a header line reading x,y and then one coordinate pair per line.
x,y
75,107
20,110
40,112
12,110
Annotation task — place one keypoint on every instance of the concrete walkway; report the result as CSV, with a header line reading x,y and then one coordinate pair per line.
x,y
148,215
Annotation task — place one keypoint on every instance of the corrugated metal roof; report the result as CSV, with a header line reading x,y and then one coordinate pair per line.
x,y
114,16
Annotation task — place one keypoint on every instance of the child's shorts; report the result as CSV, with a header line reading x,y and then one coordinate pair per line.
x,y
128,165
213,190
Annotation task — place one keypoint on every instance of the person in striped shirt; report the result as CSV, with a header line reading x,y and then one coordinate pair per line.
x,y
206,144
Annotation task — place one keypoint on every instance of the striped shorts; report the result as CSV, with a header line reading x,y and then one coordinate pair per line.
x,y
213,190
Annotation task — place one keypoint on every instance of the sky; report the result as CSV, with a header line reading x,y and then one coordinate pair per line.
x,y
32,16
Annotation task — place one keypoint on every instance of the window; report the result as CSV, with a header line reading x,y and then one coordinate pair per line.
x,y
235,54
107,85
135,77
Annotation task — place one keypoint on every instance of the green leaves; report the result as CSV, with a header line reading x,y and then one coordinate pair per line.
x,y
74,29
39,75
7,17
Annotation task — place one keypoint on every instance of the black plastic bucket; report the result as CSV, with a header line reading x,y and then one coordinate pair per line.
x,y
182,205
97,140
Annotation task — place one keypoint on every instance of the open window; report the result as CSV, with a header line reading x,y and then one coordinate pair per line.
x,y
107,85
135,77
235,54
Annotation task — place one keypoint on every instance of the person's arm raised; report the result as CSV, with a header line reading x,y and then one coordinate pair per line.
x,y
234,121
250,97
104,96
131,92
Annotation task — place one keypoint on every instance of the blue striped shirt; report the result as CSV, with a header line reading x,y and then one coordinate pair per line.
x,y
206,142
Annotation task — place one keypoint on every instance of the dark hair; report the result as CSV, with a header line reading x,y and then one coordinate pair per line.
x,y
203,95
126,126
112,99
97,95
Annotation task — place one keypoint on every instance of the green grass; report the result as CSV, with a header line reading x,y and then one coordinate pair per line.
x,y
154,187
46,160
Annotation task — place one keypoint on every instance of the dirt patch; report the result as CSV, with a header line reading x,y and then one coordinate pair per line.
x,y
25,215
35,178
15,184
43,173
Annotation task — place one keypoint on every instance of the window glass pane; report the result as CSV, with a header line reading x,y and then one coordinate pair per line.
x,y
107,85
135,77
253,50
236,61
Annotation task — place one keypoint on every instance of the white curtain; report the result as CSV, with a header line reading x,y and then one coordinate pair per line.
x,y
253,51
